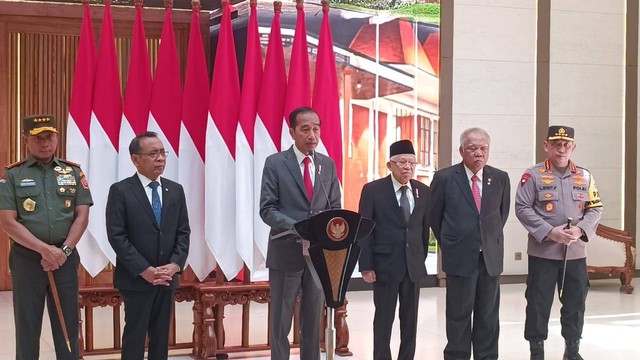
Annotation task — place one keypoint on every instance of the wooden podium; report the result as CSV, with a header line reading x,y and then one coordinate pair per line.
x,y
332,253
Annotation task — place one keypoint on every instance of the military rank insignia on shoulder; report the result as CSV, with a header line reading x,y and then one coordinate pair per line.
x,y
70,163
18,163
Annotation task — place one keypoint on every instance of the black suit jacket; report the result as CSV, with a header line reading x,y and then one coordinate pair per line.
x,y
460,229
393,248
136,237
284,202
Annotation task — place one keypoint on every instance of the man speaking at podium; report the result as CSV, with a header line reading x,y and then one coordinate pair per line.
x,y
296,184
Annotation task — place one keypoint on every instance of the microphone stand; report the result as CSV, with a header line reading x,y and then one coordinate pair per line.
x,y
330,330
318,178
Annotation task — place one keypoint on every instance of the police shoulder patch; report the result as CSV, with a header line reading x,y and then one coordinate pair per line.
x,y
525,178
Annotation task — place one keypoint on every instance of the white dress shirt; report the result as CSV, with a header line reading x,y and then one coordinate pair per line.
x,y
396,188
470,175
147,189
312,166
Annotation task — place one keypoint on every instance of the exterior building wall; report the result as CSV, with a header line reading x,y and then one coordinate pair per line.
x,y
494,63
495,46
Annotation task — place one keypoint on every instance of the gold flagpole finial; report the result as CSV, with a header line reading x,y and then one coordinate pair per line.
x,y
168,4
277,6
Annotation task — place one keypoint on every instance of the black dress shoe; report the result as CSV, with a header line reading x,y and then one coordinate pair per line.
x,y
571,350
536,347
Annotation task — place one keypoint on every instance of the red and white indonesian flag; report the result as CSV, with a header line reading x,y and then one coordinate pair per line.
x,y
299,86
245,200
166,98
195,110
104,130
326,98
93,259
220,182
137,96
268,127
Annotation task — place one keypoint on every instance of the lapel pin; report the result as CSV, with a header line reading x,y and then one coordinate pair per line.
x,y
489,181
417,193
166,189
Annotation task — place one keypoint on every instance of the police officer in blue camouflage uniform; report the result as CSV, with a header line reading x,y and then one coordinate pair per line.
x,y
549,194
44,208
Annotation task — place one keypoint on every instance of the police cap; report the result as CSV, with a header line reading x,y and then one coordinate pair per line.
x,y
560,132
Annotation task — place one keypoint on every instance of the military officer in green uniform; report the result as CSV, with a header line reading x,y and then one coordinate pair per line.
x,y
44,209
551,194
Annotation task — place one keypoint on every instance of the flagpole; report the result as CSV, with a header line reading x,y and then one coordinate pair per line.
x,y
192,145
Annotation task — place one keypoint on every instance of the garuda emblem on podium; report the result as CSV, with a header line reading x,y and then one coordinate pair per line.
x,y
337,229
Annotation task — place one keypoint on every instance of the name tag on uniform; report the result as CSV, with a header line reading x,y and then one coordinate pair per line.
x,y
27,183
66,179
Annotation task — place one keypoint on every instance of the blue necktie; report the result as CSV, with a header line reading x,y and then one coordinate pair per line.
x,y
155,201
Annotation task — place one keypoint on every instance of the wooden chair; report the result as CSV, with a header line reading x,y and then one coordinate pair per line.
x,y
623,248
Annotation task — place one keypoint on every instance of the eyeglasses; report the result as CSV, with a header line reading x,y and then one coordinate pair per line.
x,y
403,163
157,154
561,144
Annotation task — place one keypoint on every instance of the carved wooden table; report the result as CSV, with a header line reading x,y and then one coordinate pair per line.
x,y
208,315
92,297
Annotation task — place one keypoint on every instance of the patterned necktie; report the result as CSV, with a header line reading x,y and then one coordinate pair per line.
x,y
307,178
475,190
155,201
404,204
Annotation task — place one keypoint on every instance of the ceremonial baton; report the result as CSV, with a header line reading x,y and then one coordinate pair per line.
x,y
56,300
566,252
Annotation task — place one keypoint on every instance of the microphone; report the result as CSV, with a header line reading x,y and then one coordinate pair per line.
x,y
318,178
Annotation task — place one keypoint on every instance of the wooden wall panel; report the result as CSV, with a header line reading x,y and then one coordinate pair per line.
x,y
38,48
5,137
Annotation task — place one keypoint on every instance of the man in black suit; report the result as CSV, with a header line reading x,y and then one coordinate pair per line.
x,y
296,183
392,257
470,206
148,228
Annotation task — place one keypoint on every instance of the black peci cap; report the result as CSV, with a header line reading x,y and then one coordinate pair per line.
x,y
401,147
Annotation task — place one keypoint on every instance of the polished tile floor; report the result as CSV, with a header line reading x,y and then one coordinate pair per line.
x,y
612,326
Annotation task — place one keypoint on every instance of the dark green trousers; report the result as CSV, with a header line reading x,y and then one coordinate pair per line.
x,y
30,290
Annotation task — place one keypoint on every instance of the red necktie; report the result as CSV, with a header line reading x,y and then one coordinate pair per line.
x,y
307,178
475,190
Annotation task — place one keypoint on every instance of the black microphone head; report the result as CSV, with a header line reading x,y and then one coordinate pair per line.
x,y
312,154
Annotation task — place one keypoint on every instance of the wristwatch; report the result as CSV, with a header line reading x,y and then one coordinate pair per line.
x,y
67,250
